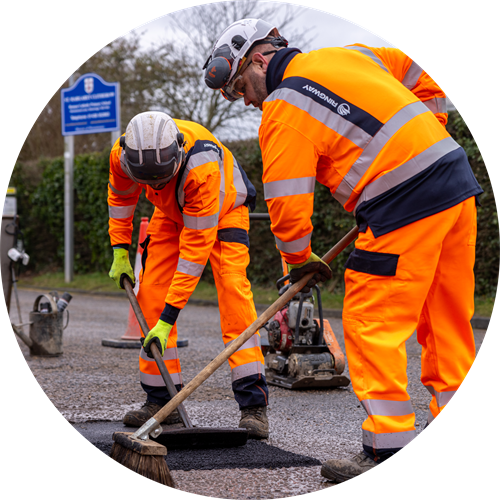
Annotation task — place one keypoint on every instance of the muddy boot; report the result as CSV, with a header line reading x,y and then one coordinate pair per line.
x,y
254,419
137,418
342,470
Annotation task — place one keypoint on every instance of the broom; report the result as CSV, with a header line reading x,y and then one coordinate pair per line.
x,y
141,454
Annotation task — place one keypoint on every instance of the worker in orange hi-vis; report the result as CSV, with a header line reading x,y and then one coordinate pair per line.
x,y
201,197
369,124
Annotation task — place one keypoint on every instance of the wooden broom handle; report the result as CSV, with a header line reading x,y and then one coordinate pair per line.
x,y
169,383
247,334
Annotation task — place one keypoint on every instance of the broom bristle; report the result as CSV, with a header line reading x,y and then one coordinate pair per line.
x,y
150,466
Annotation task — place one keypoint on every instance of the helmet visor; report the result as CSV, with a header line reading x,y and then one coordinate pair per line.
x,y
143,166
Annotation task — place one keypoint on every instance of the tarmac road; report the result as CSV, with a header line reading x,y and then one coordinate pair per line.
x,y
93,386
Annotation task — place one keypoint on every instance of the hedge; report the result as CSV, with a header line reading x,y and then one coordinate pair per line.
x,y
41,209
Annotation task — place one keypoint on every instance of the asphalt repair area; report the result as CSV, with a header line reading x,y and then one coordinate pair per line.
x,y
93,386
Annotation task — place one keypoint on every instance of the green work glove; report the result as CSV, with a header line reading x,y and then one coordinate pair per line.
x,y
159,335
313,264
121,265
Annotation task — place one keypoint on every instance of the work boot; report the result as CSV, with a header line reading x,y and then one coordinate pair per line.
x,y
342,470
254,419
137,418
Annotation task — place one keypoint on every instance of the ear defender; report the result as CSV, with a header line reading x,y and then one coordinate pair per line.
x,y
217,72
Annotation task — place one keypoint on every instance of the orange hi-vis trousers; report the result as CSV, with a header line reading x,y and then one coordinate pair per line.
x,y
417,277
229,260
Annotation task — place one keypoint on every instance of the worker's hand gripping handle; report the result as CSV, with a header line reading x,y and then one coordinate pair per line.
x,y
254,327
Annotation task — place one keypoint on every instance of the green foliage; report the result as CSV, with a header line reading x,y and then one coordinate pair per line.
x,y
487,246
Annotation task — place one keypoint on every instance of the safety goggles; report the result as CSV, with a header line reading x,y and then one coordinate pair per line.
x,y
229,91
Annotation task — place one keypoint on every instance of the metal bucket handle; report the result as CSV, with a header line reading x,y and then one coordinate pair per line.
x,y
53,306
52,303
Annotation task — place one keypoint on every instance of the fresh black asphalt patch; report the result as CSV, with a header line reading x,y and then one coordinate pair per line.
x,y
253,455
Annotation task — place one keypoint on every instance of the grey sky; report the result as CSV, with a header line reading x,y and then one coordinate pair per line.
x,y
330,30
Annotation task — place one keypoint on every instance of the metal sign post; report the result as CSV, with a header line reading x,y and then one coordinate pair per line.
x,y
89,106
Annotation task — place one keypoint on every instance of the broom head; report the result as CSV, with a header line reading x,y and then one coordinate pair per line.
x,y
147,458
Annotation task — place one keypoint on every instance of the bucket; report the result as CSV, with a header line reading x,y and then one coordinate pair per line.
x,y
46,329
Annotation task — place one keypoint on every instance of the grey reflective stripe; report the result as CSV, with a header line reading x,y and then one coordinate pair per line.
x,y
370,153
123,193
407,170
204,222
157,380
239,184
412,75
294,246
442,398
289,187
169,354
200,159
370,54
437,105
328,118
253,368
387,408
253,341
121,212
388,440
191,268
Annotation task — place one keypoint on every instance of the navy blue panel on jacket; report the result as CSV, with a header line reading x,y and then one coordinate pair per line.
x,y
444,184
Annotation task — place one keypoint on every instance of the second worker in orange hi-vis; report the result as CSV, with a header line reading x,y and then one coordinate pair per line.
x,y
369,124
201,197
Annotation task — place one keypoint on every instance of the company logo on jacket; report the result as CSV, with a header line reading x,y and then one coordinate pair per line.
x,y
343,109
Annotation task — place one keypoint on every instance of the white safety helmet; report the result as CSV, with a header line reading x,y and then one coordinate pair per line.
x,y
229,53
152,148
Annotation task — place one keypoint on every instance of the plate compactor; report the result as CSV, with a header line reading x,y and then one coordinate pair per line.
x,y
301,351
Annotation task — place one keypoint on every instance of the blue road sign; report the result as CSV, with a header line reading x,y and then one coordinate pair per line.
x,y
90,106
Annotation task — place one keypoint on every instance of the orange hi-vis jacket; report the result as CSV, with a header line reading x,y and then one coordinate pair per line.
x,y
209,185
367,123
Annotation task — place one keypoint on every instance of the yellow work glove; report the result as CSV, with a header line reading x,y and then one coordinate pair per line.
x,y
121,266
313,264
159,335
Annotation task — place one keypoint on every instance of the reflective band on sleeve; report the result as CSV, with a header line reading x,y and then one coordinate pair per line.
x,y
205,222
437,105
412,75
191,268
388,440
407,170
201,158
294,246
253,368
387,408
370,54
430,417
363,163
289,187
121,212
123,193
